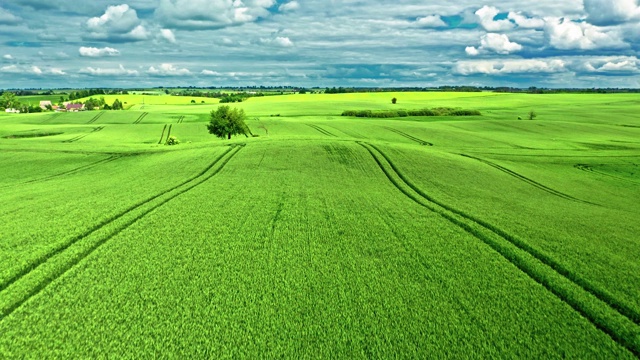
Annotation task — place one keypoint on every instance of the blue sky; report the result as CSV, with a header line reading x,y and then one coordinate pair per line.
x,y
135,43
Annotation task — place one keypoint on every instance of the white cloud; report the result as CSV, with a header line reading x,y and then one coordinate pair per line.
x,y
109,72
210,73
497,43
206,14
7,18
118,24
8,57
565,34
471,51
167,70
608,12
56,71
613,65
96,52
168,35
516,66
431,21
290,6
526,22
278,41
23,69
486,17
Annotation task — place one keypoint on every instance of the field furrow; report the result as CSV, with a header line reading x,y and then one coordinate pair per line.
x,y
605,312
42,272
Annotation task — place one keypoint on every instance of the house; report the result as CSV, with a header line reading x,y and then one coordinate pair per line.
x,y
12,111
75,107
45,103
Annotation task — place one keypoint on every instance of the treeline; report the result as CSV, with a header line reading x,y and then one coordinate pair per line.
x,y
224,97
405,113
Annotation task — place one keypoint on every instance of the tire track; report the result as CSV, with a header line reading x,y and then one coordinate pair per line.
x,y
80,168
142,116
611,316
321,130
529,181
80,137
589,169
169,133
410,137
95,118
162,136
51,118
180,119
67,264
353,135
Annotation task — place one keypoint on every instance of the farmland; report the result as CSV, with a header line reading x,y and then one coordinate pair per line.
x,y
324,235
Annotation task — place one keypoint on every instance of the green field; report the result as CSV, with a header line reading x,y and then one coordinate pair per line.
x,y
324,236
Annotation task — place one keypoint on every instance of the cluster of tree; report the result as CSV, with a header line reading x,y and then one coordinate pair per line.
x,y
223,96
405,113
80,94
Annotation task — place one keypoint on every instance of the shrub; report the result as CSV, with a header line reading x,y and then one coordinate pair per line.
x,y
172,140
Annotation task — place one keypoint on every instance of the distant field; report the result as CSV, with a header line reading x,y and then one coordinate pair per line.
x,y
323,235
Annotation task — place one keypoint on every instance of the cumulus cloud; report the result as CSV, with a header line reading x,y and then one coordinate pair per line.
x,y
119,71
118,24
516,66
290,6
525,22
206,14
96,52
486,16
167,70
279,41
609,12
565,34
210,73
497,43
24,69
168,35
431,21
611,65
7,57
7,18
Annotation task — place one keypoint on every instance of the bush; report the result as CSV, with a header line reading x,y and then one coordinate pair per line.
x,y
172,140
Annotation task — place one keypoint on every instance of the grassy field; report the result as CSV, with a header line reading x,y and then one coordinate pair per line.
x,y
324,236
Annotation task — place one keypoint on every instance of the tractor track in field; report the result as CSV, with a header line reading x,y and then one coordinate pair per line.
x,y
162,135
80,137
75,170
180,120
589,169
141,117
410,137
52,117
528,181
95,118
321,130
353,135
535,264
56,273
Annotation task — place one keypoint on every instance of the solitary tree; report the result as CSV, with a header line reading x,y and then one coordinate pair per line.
x,y
394,100
532,115
117,105
226,121
10,101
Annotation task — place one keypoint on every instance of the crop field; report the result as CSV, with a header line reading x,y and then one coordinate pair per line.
x,y
321,235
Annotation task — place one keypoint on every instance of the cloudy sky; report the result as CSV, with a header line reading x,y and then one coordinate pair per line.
x,y
132,43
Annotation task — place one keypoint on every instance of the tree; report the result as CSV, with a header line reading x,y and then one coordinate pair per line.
x,y
10,101
117,105
226,121
532,115
394,100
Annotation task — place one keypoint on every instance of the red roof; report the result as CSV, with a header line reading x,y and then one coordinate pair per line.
x,y
74,106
